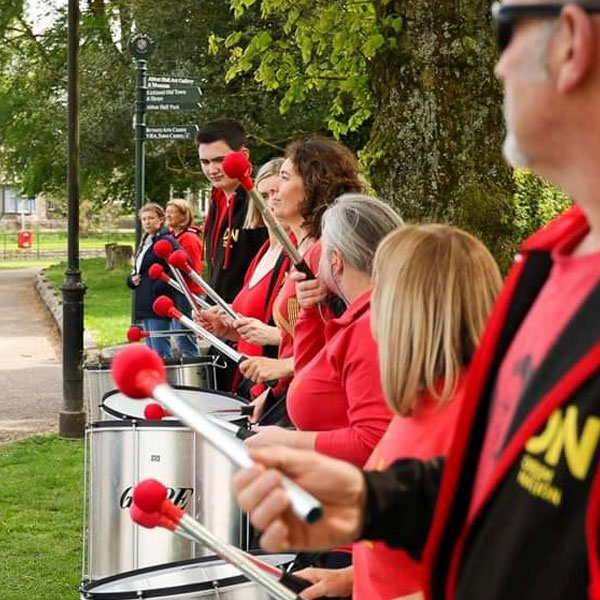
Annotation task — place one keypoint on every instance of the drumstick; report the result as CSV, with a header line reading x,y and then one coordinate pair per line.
x,y
157,271
136,334
237,166
150,521
164,306
164,249
179,260
139,372
150,496
155,412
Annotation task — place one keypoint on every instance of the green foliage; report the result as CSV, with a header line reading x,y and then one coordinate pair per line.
x,y
305,47
33,112
536,203
40,530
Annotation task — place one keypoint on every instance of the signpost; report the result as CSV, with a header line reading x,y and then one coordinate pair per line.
x,y
156,93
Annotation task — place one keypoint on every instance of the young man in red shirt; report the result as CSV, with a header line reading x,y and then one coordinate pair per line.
x,y
228,246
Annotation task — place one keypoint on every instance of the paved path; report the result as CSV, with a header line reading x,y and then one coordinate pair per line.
x,y
30,366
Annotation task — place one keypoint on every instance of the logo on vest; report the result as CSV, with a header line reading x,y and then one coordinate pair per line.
x,y
233,233
562,437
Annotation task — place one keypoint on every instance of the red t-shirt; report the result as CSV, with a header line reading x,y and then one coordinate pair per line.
x,y
381,573
253,301
338,393
571,280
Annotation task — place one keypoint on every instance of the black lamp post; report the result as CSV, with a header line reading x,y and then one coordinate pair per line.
x,y
72,416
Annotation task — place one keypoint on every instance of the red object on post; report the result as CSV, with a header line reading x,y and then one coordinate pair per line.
x,y
25,238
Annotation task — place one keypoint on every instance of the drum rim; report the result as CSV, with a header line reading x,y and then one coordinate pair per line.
x,y
190,388
137,423
105,363
87,590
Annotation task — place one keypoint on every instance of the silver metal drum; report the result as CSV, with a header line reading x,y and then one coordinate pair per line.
x,y
195,372
119,454
116,405
206,578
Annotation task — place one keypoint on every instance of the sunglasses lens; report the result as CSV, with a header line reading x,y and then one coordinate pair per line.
x,y
504,31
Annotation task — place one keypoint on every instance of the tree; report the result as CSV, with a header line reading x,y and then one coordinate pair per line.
x,y
421,74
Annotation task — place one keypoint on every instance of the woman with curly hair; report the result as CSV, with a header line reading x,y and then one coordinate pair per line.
x,y
316,171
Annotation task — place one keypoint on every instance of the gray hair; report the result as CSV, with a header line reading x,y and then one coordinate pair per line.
x,y
253,217
355,224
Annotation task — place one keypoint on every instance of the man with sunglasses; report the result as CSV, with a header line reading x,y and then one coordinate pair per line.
x,y
517,513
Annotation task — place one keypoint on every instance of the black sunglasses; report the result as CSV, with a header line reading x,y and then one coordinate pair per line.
x,y
507,16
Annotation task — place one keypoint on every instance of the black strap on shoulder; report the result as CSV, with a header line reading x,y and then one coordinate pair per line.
x,y
274,278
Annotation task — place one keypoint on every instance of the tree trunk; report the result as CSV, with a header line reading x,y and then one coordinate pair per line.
x,y
435,145
117,256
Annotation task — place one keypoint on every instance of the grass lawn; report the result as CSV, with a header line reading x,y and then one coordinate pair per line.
x,y
107,300
41,509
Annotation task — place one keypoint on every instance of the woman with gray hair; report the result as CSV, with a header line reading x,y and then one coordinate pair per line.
x,y
336,400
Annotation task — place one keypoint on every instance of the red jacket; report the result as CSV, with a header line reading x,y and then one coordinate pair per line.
x,y
535,534
338,392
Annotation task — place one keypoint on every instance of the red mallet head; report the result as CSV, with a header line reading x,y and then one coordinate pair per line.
x,y
148,520
154,412
149,495
135,334
164,306
237,166
156,271
137,370
163,249
179,259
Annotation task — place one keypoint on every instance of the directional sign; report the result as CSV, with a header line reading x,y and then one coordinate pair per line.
x,y
182,95
173,106
185,132
167,82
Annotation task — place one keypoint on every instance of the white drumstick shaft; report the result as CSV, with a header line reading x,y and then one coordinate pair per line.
x,y
199,301
186,291
213,294
237,559
213,339
305,506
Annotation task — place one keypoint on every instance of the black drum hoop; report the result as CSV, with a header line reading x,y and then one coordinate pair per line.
x,y
87,590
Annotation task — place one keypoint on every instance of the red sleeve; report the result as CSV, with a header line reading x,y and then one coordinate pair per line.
x,y
192,245
368,414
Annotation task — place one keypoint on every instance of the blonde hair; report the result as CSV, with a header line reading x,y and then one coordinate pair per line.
x,y
153,207
434,288
254,219
185,209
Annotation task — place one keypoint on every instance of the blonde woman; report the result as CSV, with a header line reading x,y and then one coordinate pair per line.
x,y
434,286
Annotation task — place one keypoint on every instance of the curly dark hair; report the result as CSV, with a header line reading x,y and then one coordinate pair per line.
x,y
328,170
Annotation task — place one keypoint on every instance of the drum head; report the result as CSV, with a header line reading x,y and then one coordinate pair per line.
x,y
222,405
175,579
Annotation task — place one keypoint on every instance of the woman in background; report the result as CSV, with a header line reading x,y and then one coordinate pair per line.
x,y
152,217
179,217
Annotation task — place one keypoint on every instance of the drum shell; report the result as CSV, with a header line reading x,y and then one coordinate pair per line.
x,y
122,453
205,578
193,372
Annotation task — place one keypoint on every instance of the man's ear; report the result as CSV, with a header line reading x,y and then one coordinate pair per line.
x,y
576,46
245,151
